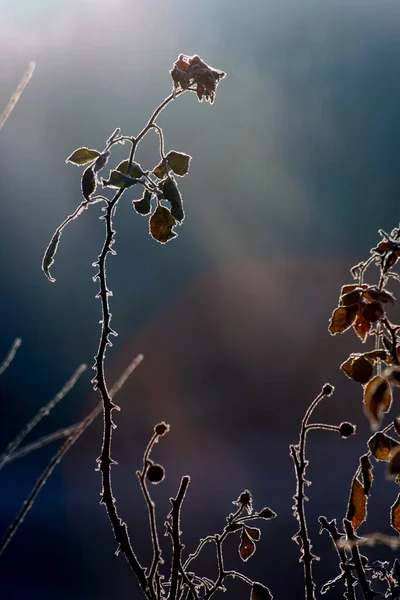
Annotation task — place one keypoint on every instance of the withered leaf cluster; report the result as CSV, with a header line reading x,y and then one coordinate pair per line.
x,y
191,72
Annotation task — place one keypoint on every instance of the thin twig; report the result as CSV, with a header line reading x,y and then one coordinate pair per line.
x,y
10,356
43,412
331,528
298,454
59,455
157,556
42,442
176,535
362,578
17,94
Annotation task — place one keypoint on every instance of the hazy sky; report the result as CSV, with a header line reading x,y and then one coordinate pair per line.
x,y
294,170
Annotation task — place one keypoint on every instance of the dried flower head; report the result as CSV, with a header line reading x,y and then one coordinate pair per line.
x,y
155,473
346,429
161,428
191,71
245,500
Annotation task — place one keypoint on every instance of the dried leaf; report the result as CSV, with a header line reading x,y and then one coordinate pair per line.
x,y
373,294
393,468
351,298
357,506
143,206
161,224
366,472
377,400
349,288
177,161
392,374
253,532
101,161
372,312
48,259
260,592
381,445
361,327
119,180
376,354
82,156
246,547
266,513
342,318
348,364
361,369
390,261
395,515
88,183
135,171
172,194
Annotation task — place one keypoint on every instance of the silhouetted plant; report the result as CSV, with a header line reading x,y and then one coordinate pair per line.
x,y
163,202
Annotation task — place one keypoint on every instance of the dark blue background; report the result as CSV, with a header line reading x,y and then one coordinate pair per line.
x,y
295,168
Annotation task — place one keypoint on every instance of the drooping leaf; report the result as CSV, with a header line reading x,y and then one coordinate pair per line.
x,y
381,445
160,171
266,513
393,468
143,206
101,161
253,532
366,473
82,156
373,294
392,374
88,183
119,180
395,515
342,318
161,224
349,288
376,354
347,365
377,400
372,312
357,506
177,161
246,547
390,261
172,194
260,592
362,327
48,259
135,171
361,369
352,297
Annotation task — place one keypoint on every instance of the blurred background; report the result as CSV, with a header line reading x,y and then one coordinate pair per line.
x,y
295,168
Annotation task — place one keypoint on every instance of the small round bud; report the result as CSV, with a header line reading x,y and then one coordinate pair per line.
x,y
155,473
328,389
161,428
346,429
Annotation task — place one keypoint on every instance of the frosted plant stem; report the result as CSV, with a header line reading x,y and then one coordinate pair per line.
x,y
10,356
17,94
